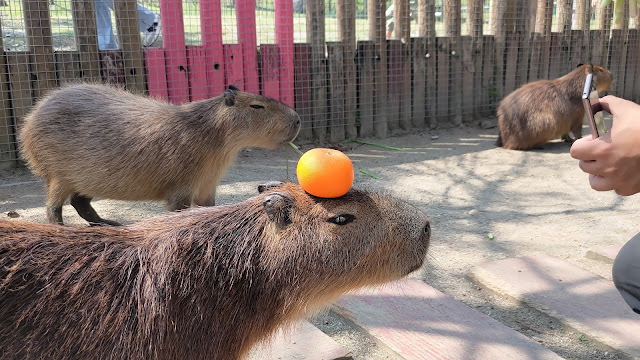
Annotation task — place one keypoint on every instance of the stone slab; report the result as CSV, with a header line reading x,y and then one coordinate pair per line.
x,y
303,341
416,321
581,300
605,253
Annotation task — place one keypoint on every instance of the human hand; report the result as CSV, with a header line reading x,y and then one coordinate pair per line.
x,y
613,159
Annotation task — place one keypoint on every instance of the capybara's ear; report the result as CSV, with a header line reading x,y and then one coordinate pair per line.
x,y
278,207
270,185
229,97
577,66
233,87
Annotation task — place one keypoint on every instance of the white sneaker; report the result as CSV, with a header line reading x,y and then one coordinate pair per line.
x,y
152,33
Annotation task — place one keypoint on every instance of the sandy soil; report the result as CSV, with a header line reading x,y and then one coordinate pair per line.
x,y
535,201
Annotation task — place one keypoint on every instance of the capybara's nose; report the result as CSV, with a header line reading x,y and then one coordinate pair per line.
x,y
426,230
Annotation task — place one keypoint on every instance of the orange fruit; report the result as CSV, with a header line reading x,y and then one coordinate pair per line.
x,y
325,173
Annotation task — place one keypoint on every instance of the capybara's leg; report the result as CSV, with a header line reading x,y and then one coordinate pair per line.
x,y
567,138
576,129
56,195
86,211
178,200
209,200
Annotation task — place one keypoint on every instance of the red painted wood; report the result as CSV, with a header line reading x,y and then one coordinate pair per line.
x,y
246,23
156,73
211,28
197,73
234,72
271,67
284,39
175,51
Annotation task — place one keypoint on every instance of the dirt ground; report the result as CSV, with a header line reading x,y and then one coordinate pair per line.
x,y
534,201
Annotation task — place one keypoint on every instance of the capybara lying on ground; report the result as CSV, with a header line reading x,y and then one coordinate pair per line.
x,y
547,109
204,283
98,141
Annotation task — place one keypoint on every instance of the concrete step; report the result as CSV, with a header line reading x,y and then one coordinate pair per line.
x,y
301,342
417,321
605,253
581,300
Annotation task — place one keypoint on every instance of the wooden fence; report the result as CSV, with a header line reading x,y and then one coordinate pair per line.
x,y
342,90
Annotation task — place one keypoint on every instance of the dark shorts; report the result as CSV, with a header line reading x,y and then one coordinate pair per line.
x,y
626,272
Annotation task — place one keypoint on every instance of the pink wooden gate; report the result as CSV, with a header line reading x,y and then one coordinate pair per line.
x,y
182,73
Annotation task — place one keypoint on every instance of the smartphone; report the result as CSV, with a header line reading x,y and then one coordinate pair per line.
x,y
591,102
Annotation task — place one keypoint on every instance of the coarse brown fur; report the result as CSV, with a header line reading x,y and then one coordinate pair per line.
x,y
90,140
204,283
547,109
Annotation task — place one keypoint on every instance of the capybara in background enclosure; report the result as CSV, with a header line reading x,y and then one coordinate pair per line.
x,y
547,109
90,140
204,283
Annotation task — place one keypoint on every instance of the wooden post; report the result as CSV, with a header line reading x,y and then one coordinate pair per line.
x,y
394,77
211,27
84,26
346,14
499,31
284,39
175,50
316,38
473,56
420,101
246,20
126,13
336,86
20,80
378,36
366,76
303,98
618,56
38,30
8,151
427,32
271,65
452,28
632,78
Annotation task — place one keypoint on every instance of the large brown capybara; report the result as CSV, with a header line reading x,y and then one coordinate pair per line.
x,y
547,109
90,141
204,283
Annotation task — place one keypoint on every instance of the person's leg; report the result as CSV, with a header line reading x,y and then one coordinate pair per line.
x,y
626,272
106,38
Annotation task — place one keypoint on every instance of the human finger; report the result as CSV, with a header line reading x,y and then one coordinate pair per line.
x,y
600,183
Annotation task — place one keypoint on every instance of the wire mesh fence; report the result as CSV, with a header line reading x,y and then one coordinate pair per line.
x,y
351,68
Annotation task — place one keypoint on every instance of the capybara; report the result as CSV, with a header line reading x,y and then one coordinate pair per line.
x,y
547,109
89,140
204,283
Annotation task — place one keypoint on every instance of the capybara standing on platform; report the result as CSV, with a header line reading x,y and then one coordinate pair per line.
x,y
205,283
98,141
547,109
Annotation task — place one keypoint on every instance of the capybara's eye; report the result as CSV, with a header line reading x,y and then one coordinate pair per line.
x,y
342,219
256,106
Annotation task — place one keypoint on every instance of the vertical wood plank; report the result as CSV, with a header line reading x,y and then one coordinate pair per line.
x,y
211,27
633,64
577,52
419,99
20,80
234,71
442,76
112,67
284,40
67,66
346,15
524,55
175,52
511,68
366,68
599,47
377,34
536,60
431,68
303,97
405,85
38,30
156,73
490,95
336,91
197,72
394,78
618,58
271,70
555,56
84,26
478,90
246,23
8,148
468,73
130,44
316,38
